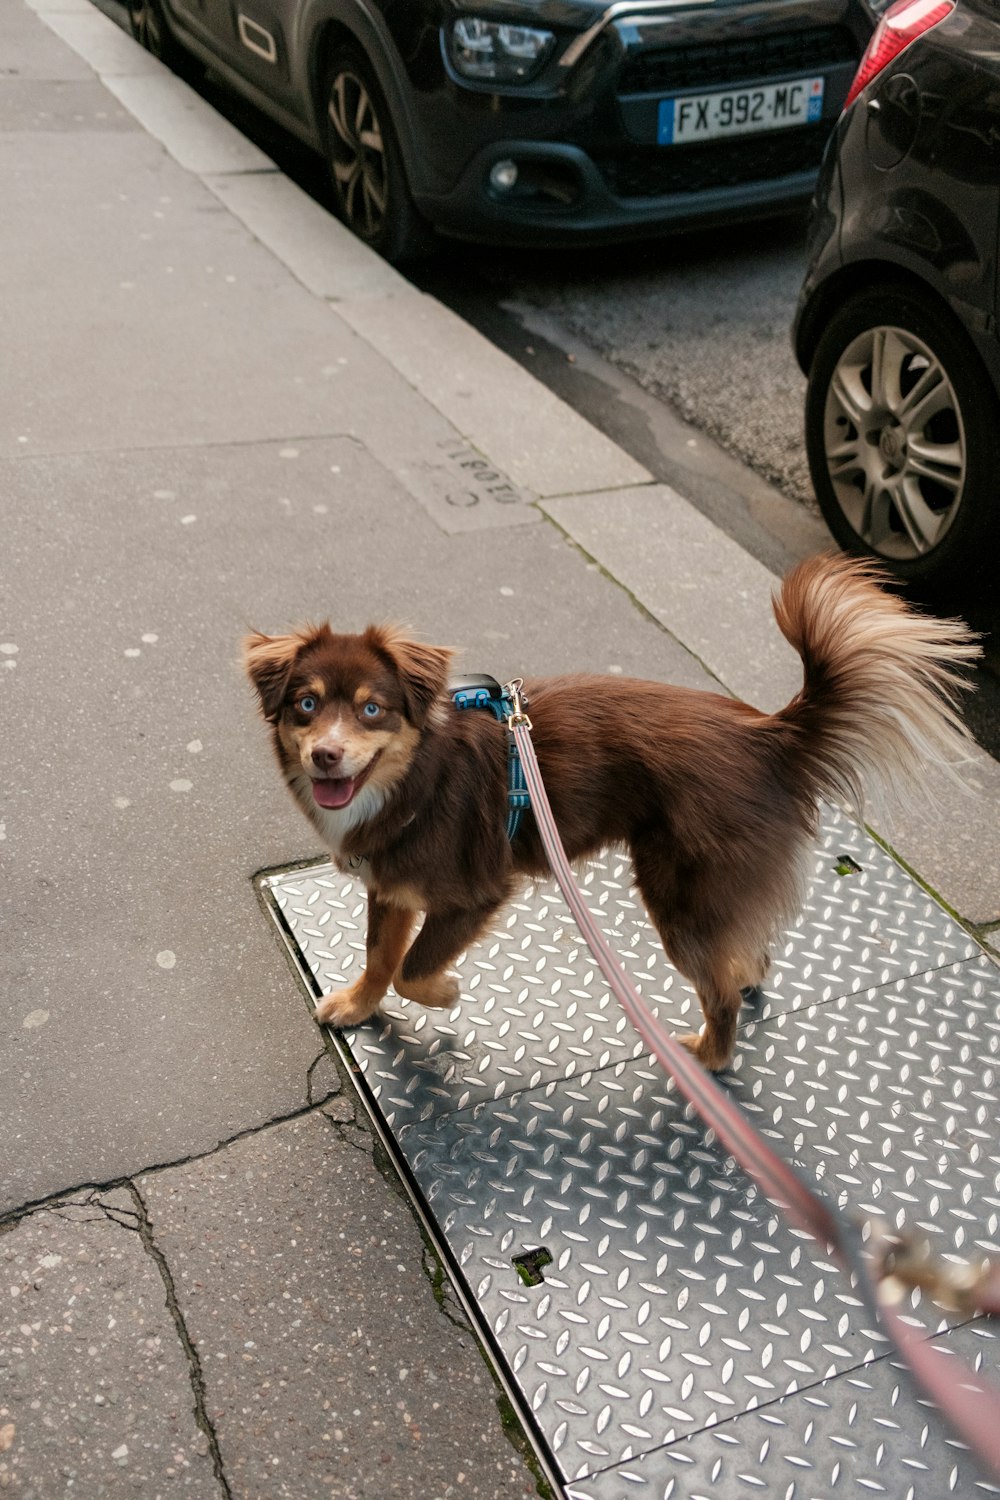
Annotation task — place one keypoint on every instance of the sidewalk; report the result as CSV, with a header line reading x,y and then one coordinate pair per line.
x,y
221,411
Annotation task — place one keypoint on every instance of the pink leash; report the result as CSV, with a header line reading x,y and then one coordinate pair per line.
x,y
970,1401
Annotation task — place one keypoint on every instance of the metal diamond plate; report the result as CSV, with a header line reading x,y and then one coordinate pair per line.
x,y
857,1437
676,1297
534,1008
680,1336
892,1100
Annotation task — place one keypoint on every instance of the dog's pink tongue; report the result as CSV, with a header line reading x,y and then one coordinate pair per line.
x,y
334,793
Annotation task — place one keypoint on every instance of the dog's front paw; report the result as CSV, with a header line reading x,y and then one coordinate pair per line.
x,y
439,991
348,1006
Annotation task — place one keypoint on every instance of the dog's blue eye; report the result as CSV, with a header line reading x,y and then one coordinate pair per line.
x,y
308,704
371,710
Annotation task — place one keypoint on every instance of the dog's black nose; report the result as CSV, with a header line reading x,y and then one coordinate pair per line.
x,y
327,758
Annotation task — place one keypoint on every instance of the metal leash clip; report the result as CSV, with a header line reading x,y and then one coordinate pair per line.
x,y
517,718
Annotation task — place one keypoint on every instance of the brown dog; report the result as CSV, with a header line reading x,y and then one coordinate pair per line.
x,y
715,801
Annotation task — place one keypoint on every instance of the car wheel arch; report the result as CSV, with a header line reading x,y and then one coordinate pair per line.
x,y
345,22
857,276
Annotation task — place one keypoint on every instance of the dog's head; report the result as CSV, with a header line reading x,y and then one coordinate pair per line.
x,y
347,710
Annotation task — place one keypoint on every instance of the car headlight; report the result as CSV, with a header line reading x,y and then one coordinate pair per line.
x,y
496,52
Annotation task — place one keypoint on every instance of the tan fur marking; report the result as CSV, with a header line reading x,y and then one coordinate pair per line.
x,y
438,992
405,896
356,1002
359,745
397,753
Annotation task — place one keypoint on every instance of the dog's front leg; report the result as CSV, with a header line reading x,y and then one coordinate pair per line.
x,y
444,935
389,929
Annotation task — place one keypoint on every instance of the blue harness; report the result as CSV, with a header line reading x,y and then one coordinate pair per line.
x,y
486,692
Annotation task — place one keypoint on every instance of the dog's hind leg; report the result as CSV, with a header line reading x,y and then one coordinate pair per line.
x,y
751,973
698,947
720,1002
424,975
389,929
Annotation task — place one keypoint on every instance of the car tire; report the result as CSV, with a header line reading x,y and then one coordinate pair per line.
x,y
901,422
366,166
151,29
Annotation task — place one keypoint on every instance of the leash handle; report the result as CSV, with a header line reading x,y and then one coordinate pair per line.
x,y
970,1401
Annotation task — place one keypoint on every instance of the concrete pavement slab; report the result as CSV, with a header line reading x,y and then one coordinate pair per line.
x,y
694,579
26,104
96,1394
195,376
947,834
31,52
46,8
529,433
275,1244
173,311
525,431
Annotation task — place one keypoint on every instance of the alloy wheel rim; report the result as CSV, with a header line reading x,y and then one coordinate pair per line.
x,y
358,153
894,443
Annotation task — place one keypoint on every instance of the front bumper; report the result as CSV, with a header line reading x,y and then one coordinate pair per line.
x,y
563,196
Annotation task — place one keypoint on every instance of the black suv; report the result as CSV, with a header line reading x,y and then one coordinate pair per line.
x,y
897,319
530,121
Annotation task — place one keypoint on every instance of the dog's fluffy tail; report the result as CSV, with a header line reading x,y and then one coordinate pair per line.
x,y
882,683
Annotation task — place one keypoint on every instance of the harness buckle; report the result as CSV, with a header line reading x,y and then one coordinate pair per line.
x,y
507,706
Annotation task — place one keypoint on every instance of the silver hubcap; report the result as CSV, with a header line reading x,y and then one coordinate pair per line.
x,y
359,165
894,443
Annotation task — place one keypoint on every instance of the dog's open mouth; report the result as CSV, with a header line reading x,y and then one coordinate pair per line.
x,y
337,791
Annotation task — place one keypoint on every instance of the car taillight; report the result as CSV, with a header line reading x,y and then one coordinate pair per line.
x,y
901,25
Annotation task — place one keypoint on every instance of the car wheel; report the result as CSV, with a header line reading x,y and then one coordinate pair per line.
x,y
901,422
150,28
366,165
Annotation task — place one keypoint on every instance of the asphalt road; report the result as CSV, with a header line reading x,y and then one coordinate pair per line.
x,y
679,349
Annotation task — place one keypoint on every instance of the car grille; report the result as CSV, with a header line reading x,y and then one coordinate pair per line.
x,y
653,172
669,69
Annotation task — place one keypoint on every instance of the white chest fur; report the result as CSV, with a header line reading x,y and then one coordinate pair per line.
x,y
335,823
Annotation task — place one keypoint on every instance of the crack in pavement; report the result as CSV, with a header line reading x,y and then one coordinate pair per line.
x,y
62,1195
328,1055
90,1208
144,1228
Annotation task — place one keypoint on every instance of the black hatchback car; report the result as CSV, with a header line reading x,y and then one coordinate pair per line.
x,y
896,326
527,121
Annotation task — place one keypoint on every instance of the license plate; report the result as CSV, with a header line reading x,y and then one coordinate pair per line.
x,y
769,106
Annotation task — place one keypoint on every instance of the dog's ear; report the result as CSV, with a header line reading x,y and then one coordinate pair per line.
x,y
422,670
268,661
